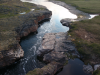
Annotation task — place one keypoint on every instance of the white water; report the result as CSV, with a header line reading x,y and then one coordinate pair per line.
x,y
93,15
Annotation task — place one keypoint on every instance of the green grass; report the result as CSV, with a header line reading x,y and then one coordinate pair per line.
x,y
36,71
13,7
89,6
97,72
11,19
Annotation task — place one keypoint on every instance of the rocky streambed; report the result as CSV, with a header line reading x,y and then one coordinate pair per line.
x,y
55,51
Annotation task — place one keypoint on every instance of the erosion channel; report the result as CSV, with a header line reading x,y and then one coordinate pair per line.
x,y
32,43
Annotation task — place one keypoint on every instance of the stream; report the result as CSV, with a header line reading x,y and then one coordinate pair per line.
x,y
32,43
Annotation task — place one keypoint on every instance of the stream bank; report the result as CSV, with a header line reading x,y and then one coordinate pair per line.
x,y
21,26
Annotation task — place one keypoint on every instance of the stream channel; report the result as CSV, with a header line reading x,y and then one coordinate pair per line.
x,y
32,43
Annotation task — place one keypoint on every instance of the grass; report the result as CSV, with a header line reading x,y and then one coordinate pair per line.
x,y
36,71
13,7
90,6
10,19
86,34
97,72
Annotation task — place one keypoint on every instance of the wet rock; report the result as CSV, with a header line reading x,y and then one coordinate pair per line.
x,y
55,56
7,57
47,44
96,66
66,22
88,68
55,48
56,42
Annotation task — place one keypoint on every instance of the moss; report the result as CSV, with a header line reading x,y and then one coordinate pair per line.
x,y
36,71
97,72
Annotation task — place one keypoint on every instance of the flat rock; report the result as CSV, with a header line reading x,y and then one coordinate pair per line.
x,y
54,56
55,46
88,68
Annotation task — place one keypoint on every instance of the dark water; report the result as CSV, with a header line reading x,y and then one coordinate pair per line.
x,y
74,67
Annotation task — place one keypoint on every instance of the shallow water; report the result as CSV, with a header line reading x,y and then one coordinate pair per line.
x,y
32,43
74,67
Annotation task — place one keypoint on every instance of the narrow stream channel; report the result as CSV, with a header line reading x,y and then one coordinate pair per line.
x,y
32,43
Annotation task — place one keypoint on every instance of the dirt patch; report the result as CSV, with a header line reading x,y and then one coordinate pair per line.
x,y
83,34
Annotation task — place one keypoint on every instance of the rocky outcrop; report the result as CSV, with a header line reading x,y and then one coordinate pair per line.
x,y
88,68
55,48
21,26
56,43
7,57
30,23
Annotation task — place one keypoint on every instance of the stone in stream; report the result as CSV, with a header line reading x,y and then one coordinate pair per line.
x,y
47,44
96,66
55,48
88,68
55,43
66,22
55,56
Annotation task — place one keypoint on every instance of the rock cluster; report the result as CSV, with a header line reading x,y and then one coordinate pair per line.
x,y
55,48
88,68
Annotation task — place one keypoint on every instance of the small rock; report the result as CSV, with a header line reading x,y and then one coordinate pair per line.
x,y
96,66
54,56
88,68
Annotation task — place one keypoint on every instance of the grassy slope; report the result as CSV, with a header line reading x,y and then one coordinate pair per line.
x,y
13,7
10,19
86,34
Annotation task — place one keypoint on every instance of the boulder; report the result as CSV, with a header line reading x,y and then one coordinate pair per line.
x,y
88,68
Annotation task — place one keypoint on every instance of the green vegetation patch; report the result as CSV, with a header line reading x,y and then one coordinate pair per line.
x,y
36,71
13,7
97,72
89,6
10,20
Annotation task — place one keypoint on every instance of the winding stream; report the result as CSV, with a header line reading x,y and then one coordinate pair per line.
x,y
32,43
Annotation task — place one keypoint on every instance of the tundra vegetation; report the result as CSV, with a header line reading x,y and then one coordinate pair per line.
x,y
10,18
86,33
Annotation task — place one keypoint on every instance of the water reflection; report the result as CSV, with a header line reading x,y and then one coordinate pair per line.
x,y
74,67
